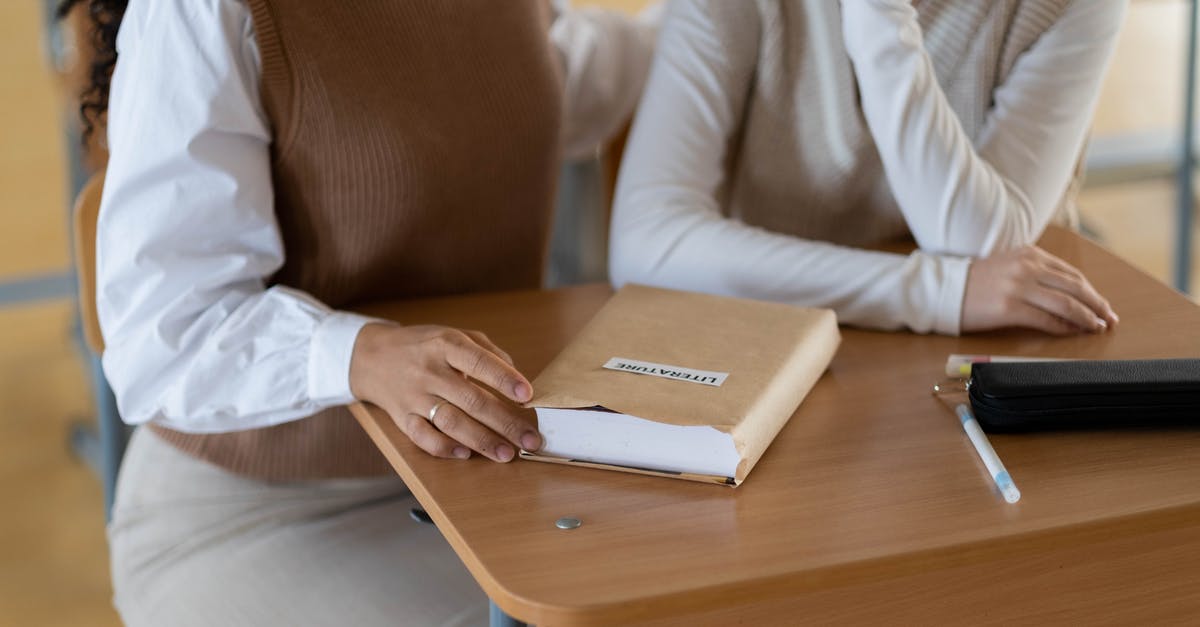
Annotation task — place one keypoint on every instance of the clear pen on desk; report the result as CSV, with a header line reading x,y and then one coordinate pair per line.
x,y
995,467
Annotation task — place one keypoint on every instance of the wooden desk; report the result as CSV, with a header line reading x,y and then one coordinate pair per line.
x,y
870,506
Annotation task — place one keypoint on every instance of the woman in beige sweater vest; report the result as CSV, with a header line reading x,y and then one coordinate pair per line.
x,y
273,166
777,143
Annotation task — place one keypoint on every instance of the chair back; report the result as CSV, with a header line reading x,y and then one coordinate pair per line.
x,y
85,216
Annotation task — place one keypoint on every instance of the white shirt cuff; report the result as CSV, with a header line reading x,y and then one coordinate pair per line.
x,y
329,358
950,301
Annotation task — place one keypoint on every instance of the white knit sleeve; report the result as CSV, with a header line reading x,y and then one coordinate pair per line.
x,y
668,227
999,193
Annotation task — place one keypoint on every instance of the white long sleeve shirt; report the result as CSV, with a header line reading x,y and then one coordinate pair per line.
x,y
187,233
959,196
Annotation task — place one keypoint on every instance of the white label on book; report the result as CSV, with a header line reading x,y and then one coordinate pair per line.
x,y
679,373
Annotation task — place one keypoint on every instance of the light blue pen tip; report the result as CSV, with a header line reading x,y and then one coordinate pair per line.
x,y
1008,489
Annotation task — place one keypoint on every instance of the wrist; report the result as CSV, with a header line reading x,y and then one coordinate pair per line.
x,y
368,346
950,309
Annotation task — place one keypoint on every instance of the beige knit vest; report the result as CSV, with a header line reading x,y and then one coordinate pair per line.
x,y
415,153
810,167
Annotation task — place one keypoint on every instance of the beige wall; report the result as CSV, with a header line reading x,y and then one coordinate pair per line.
x,y
1144,89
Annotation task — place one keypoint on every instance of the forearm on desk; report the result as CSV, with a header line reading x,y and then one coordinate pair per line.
x,y
690,248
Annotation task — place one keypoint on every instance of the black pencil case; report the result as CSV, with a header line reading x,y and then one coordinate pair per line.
x,y
1025,396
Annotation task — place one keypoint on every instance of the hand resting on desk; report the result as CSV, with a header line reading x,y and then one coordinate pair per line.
x,y
1029,287
410,370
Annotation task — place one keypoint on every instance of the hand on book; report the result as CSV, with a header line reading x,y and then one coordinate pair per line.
x,y
1029,287
407,371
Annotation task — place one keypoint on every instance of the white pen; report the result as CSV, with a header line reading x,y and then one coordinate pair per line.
x,y
988,454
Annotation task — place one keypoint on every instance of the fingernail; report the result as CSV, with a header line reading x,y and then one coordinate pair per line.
x,y
522,392
462,452
504,453
531,442
1115,317
1101,324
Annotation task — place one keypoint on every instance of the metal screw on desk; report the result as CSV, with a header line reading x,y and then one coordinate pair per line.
x,y
567,522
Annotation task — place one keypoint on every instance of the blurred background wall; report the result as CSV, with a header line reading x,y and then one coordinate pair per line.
x,y
53,558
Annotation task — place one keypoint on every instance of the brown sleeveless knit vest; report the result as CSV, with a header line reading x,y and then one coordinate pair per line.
x,y
415,153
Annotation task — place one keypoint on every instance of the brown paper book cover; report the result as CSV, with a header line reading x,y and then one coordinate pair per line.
x,y
680,384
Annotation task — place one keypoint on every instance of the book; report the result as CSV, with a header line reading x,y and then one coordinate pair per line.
x,y
680,384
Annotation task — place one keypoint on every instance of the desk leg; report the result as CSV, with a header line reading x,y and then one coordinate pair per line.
x,y
1183,234
497,617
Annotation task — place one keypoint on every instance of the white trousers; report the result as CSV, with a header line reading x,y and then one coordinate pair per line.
x,y
195,545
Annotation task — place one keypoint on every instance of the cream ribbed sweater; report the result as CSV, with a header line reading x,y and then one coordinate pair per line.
x,y
776,139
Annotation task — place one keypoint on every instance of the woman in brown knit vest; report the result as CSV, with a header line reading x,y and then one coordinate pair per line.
x,y
275,164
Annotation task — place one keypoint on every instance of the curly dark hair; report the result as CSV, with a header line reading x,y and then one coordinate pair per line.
x,y
105,17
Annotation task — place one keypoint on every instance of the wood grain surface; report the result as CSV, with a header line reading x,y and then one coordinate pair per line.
x,y
870,505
